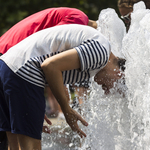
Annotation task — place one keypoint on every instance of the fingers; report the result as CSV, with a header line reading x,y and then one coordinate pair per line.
x,y
46,129
47,120
74,126
82,121
72,117
81,133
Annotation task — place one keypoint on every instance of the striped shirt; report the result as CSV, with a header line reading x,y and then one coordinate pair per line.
x,y
93,55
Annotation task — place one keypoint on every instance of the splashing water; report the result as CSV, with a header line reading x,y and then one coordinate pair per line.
x,y
113,28
116,121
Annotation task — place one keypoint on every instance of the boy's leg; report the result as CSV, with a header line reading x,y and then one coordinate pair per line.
x,y
26,102
28,143
22,142
12,141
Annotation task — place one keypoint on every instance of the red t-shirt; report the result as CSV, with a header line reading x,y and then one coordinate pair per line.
x,y
38,21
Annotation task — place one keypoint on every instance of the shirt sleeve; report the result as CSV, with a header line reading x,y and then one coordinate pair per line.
x,y
92,55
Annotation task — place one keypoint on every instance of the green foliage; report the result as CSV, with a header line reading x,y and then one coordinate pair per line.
x,y
12,11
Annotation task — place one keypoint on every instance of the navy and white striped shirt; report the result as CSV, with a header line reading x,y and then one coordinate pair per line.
x,y
93,55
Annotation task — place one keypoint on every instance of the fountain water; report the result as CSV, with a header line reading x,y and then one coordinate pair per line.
x,y
116,121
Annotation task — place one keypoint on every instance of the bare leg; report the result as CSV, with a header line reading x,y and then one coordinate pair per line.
x,y
12,141
28,143
25,142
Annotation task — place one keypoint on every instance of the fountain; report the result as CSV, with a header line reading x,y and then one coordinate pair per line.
x,y
116,121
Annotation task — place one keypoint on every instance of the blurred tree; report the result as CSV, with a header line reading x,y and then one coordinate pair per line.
x,y
12,11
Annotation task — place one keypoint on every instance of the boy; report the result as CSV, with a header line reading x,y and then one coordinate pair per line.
x,y
59,55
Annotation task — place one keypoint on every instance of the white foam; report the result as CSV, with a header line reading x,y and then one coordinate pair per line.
x,y
117,122
113,28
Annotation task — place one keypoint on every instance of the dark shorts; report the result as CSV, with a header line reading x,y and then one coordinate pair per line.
x,y
22,104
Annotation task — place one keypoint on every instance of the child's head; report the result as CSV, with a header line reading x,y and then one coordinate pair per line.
x,y
111,73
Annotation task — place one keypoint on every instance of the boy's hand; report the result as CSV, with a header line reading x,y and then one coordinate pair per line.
x,y
72,117
45,127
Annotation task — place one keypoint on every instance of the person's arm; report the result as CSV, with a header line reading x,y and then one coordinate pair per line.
x,y
92,23
53,68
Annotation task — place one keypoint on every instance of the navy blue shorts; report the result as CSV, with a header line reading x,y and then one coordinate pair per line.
x,y
22,104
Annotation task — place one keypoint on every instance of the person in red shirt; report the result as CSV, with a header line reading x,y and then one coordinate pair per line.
x,y
41,20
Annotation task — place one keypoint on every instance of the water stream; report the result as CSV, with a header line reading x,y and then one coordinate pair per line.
x,y
117,121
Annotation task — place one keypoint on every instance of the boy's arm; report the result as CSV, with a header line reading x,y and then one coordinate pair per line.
x,y
92,23
53,68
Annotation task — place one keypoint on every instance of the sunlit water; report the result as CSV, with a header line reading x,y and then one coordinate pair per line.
x,y
116,121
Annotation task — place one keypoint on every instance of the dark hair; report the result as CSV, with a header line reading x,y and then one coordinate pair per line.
x,y
130,3
121,63
1,54
127,3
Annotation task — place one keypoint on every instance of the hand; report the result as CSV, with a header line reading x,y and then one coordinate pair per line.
x,y
45,127
72,117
